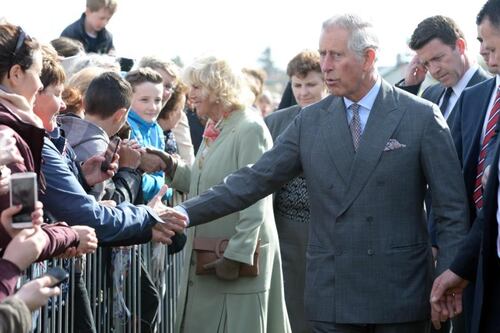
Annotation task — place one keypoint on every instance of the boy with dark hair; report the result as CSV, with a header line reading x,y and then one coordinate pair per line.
x,y
106,104
90,28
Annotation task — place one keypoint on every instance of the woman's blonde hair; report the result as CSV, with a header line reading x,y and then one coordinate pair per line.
x,y
217,77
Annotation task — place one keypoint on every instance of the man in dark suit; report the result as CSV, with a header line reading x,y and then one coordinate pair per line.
x,y
368,153
479,257
441,49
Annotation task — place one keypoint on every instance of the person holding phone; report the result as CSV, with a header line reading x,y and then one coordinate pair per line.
x,y
15,311
67,184
20,66
23,249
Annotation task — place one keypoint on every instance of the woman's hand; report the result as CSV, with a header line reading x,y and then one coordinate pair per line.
x,y
9,152
6,217
225,269
26,247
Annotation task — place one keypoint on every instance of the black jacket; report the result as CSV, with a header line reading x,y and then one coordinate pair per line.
x,y
103,43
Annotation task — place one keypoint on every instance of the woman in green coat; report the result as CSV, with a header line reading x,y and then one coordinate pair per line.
x,y
223,300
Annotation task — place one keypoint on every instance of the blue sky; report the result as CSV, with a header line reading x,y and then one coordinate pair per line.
x,y
238,30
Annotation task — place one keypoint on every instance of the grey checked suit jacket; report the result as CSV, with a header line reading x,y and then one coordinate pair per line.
x,y
369,256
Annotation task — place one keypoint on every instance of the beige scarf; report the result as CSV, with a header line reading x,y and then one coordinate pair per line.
x,y
19,106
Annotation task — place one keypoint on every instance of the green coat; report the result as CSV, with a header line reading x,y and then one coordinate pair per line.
x,y
249,304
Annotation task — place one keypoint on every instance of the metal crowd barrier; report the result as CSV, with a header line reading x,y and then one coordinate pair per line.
x,y
59,315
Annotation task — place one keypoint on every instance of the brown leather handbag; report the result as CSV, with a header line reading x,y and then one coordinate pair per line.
x,y
210,249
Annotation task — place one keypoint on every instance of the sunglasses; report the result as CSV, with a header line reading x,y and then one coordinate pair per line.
x,y
20,42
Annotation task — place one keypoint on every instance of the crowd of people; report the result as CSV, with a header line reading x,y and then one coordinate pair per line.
x,y
357,206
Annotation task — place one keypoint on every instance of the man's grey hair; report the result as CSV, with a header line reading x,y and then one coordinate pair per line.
x,y
362,32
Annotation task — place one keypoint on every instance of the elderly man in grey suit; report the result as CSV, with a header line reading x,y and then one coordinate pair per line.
x,y
368,153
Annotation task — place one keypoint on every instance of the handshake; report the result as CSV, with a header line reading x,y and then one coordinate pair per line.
x,y
173,221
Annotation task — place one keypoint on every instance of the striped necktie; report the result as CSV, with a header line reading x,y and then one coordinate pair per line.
x,y
488,135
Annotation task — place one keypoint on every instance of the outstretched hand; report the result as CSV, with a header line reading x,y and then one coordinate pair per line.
x,y
173,221
446,297
151,163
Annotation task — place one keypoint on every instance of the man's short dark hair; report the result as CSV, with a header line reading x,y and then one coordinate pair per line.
x,y
490,10
438,26
107,93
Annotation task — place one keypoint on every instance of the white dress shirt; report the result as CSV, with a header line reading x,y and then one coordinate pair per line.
x,y
457,90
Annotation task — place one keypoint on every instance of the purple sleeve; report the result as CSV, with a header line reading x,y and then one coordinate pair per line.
x,y
60,237
9,273
4,237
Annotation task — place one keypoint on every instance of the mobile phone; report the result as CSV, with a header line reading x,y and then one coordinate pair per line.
x,y
113,146
59,274
23,191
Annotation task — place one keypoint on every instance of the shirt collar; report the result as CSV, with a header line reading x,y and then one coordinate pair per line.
x,y
462,83
367,100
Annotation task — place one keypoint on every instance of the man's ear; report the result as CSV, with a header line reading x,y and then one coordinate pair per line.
x,y
120,115
369,58
460,44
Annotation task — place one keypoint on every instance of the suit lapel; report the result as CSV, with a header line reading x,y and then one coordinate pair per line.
x,y
337,137
434,93
382,122
479,76
478,119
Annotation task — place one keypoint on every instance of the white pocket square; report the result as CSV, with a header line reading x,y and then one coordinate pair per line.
x,y
393,144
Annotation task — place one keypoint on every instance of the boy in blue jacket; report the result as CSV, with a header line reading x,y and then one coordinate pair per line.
x,y
146,105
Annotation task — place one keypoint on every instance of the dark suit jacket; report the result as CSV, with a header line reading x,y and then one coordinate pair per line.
x,y
478,253
369,258
279,120
434,92
466,132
